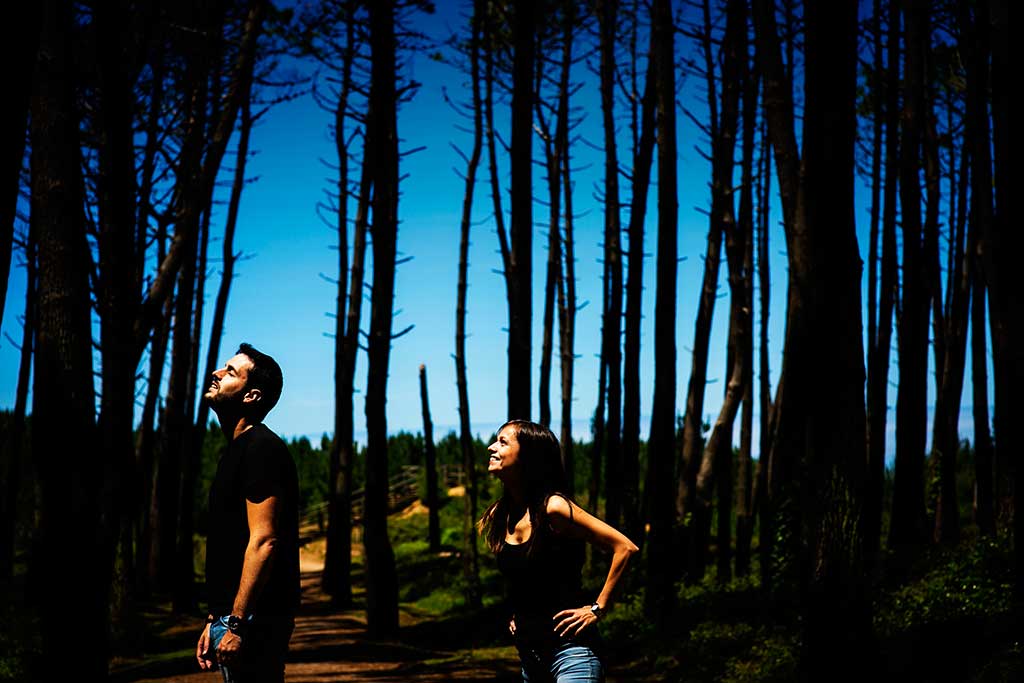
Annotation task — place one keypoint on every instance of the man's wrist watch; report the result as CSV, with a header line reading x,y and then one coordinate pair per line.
x,y
597,610
236,624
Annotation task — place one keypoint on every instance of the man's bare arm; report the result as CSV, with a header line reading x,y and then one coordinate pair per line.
x,y
259,556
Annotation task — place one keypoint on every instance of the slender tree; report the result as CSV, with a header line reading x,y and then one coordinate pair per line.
x,y
881,317
643,154
382,580
721,129
659,595
908,507
430,461
715,461
470,554
611,325
518,266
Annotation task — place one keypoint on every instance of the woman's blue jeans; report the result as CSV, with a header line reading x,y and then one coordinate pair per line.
x,y
567,663
264,648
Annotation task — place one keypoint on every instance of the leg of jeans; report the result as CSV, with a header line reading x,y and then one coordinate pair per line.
x,y
535,668
577,664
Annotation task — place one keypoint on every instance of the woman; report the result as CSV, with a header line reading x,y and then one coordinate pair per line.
x,y
538,534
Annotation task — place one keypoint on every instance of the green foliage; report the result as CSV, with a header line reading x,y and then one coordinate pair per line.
x,y
971,581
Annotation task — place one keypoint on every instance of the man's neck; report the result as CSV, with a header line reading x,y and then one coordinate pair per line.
x,y
235,427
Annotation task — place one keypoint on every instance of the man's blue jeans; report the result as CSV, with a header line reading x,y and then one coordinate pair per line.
x,y
264,648
568,663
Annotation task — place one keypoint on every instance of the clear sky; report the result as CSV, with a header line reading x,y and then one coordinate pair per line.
x,y
280,303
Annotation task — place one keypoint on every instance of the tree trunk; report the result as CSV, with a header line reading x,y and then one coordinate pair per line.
x,y
659,599
146,443
880,343
946,438
434,525
717,451
176,421
611,326
723,135
744,479
382,579
760,492
519,269
643,154
336,578
63,397
908,506
470,553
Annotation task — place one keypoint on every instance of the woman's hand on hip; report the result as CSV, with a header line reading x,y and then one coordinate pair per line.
x,y
572,622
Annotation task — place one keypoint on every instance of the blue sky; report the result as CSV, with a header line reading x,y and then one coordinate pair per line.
x,y
280,304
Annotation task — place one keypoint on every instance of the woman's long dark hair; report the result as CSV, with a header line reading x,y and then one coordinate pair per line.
x,y
543,476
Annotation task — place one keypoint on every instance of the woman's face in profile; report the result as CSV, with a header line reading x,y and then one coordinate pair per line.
x,y
504,452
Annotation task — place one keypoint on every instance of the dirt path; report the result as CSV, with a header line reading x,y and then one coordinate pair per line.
x,y
332,646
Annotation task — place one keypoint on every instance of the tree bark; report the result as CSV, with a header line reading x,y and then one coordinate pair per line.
x,y
744,466
382,579
611,326
908,506
63,397
643,155
716,455
687,496
470,553
879,344
659,597
430,459
519,269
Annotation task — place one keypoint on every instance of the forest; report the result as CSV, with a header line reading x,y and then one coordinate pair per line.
x,y
865,531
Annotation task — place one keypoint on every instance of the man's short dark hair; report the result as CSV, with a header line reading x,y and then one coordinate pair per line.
x,y
264,375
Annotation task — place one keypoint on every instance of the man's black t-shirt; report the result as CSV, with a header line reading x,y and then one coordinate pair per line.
x,y
257,465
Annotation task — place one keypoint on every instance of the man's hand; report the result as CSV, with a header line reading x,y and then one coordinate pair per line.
x,y
230,649
203,654
512,625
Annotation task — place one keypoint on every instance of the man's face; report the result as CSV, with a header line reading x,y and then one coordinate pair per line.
x,y
228,384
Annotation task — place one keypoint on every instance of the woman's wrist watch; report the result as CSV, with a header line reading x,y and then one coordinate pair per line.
x,y
597,610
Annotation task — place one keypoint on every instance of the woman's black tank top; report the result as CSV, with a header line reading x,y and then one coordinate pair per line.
x,y
542,583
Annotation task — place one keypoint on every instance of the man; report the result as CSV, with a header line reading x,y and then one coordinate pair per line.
x,y
252,552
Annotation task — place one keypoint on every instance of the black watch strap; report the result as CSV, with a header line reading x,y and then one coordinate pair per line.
x,y
236,624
